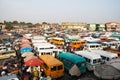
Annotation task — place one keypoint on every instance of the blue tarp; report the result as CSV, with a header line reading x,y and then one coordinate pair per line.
x,y
26,50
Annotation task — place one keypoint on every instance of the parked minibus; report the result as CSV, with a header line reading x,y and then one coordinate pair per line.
x,y
93,46
111,45
106,56
92,40
70,60
58,41
52,66
38,39
70,38
75,42
47,48
7,54
75,45
92,59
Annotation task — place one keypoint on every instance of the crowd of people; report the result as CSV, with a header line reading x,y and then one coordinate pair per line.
x,y
16,66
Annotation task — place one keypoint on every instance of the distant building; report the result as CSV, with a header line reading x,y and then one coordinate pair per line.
x,y
70,25
2,26
56,27
45,26
91,27
112,26
96,27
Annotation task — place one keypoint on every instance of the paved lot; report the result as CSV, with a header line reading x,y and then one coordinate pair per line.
x,y
86,76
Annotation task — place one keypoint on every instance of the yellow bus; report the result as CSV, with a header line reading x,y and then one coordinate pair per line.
x,y
77,44
58,41
52,67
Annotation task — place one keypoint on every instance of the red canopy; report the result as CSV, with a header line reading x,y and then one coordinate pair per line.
x,y
34,62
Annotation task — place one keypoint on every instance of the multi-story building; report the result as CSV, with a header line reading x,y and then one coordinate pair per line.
x,y
112,26
2,26
56,27
96,27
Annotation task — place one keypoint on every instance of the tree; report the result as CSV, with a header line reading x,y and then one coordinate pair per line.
x,y
15,22
8,26
5,22
44,22
22,23
30,24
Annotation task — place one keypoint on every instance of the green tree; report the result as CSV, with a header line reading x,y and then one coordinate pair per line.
x,y
9,26
44,22
30,25
15,22
22,23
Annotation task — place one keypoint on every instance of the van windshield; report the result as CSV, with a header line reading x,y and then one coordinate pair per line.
x,y
96,61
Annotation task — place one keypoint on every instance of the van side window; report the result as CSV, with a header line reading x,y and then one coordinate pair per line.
x,y
53,68
60,67
67,62
94,61
107,59
46,67
103,57
87,60
97,46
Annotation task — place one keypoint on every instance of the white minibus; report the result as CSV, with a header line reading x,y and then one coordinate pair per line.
x,y
106,56
92,59
93,46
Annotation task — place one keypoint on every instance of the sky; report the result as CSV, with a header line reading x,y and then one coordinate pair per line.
x,y
58,11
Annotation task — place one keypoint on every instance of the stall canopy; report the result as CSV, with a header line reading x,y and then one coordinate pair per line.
x,y
34,62
26,50
27,54
29,58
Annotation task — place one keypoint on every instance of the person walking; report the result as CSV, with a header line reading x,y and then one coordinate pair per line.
x,y
36,74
